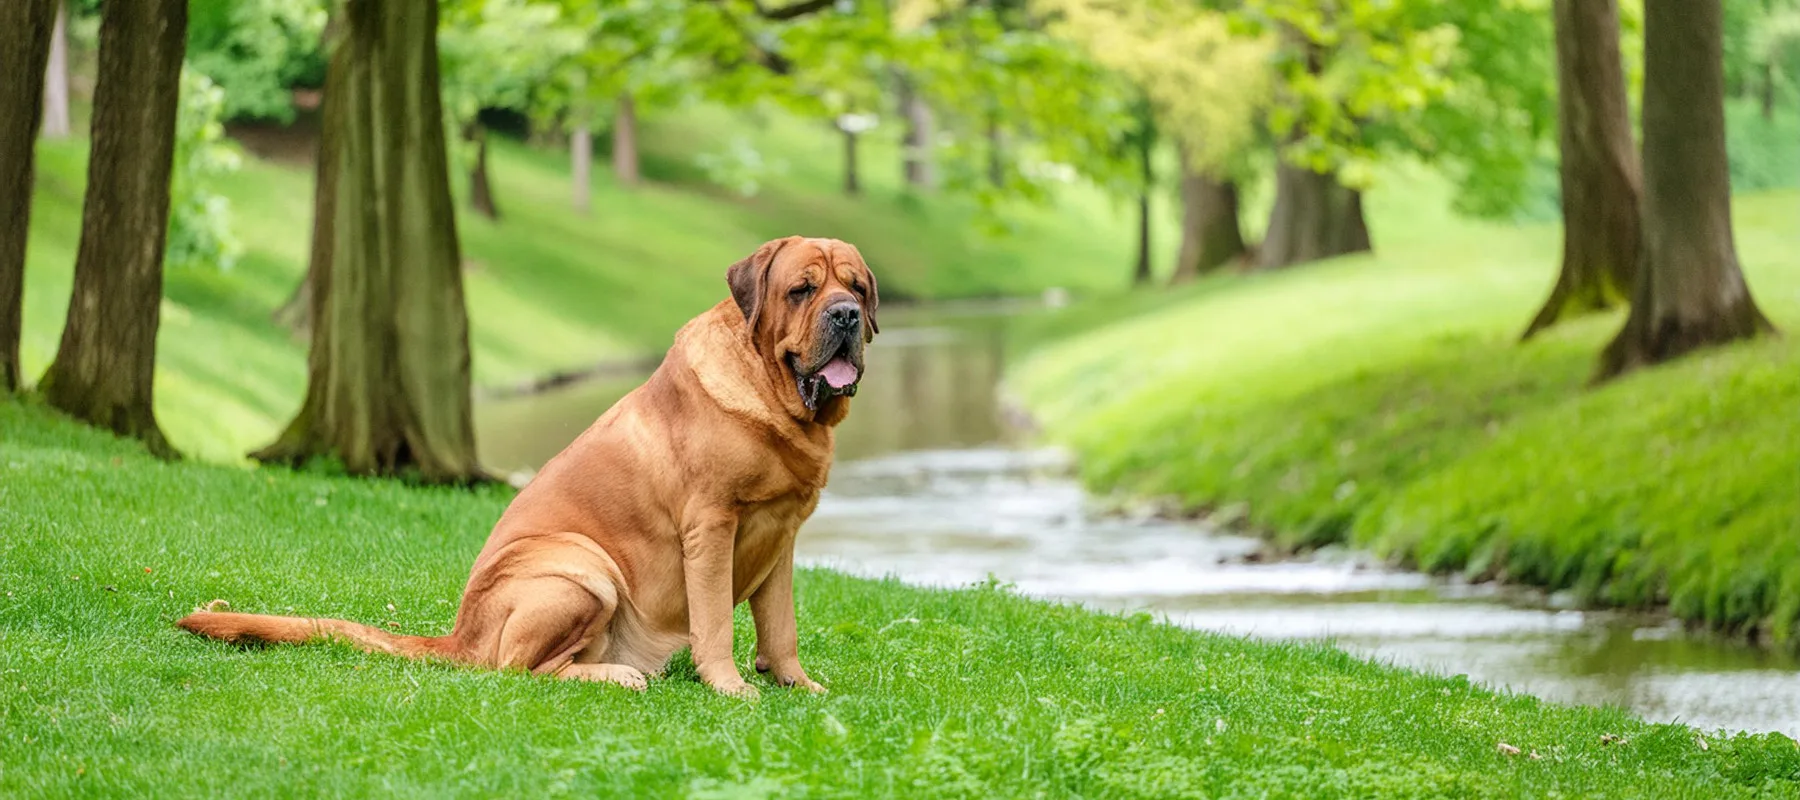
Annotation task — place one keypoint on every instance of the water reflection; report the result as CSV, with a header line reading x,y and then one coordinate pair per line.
x,y
932,486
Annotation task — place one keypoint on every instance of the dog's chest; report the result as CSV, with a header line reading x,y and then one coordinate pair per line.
x,y
765,535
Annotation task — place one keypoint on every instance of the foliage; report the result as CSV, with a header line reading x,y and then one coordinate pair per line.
x,y
553,290
1209,81
200,234
971,693
255,50
1385,401
496,53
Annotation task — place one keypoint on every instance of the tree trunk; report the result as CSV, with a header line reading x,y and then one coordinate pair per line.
x,y
106,365
1689,291
56,78
852,186
916,143
996,146
625,141
1146,143
22,58
1600,178
581,159
1314,217
388,370
481,192
1211,235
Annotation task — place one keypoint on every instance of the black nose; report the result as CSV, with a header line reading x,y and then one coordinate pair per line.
x,y
845,315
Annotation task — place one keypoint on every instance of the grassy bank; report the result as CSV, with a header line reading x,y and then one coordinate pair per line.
x,y
550,289
1384,400
933,693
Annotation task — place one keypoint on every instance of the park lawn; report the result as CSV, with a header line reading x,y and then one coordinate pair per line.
x,y
1384,400
975,692
550,290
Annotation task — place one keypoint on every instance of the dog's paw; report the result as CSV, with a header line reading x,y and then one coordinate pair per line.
x,y
739,688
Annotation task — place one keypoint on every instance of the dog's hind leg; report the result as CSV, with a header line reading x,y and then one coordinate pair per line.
x,y
626,676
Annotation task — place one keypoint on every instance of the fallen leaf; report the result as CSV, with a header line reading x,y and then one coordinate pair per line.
x,y
1535,756
216,605
110,588
1702,742
1507,749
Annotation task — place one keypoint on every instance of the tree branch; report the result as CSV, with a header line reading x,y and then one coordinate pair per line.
x,y
800,9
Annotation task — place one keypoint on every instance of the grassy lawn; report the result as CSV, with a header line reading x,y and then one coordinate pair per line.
x,y
553,290
1384,400
974,693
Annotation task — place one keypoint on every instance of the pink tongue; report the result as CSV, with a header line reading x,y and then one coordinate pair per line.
x,y
838,372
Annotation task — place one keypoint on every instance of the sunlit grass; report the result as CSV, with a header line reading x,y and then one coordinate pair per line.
x,y
1384,400
972,693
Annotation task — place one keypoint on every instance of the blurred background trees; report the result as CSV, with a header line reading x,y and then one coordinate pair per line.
x,y
1266,121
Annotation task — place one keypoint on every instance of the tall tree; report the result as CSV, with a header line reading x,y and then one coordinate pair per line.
x,y
388,370
581,164
56,78
625,141
23,53
1143,144
1315,216
1599,165
105,367
1211,235
1690,292
918,140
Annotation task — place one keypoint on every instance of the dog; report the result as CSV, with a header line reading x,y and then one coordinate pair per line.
x,y
677,504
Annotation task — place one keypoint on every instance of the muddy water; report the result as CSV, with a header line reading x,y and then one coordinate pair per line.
x,y
934,485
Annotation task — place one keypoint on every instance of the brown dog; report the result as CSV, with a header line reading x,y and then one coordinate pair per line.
x,y
678,503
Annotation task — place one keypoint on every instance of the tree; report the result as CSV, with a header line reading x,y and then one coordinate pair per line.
x,y
496,53
105,367
1211,235
919,139
1689,291
56,78
1143,145
625,141
388,369
1206,86
1599,165
23,54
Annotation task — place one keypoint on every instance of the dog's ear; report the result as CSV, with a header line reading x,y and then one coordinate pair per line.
x,y
749,279
874,302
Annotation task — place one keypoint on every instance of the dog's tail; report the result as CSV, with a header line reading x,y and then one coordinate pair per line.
x,y
262,628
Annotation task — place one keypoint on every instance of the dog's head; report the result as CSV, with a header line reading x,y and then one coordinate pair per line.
x,y
810,305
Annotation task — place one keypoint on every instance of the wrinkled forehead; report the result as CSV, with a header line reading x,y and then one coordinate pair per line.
x,y
818,258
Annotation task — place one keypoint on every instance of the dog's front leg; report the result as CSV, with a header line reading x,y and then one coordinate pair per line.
x,y
706,569
777,637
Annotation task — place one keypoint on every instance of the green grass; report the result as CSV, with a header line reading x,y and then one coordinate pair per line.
x,y
973,693
550,290
1384,400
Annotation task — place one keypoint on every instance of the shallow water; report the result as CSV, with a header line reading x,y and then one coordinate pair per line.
x,y
934,486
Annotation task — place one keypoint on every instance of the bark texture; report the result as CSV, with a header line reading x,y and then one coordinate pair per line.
x,y
1689,291
625,141
22,57
1600,177
481,190
56,77
1314,217
388,370
581,160
1211,235
106,365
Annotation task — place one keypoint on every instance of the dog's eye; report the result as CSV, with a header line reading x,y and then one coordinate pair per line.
x,y
800,292
859,290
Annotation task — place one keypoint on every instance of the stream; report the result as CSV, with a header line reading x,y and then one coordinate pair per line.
x,y
936,485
